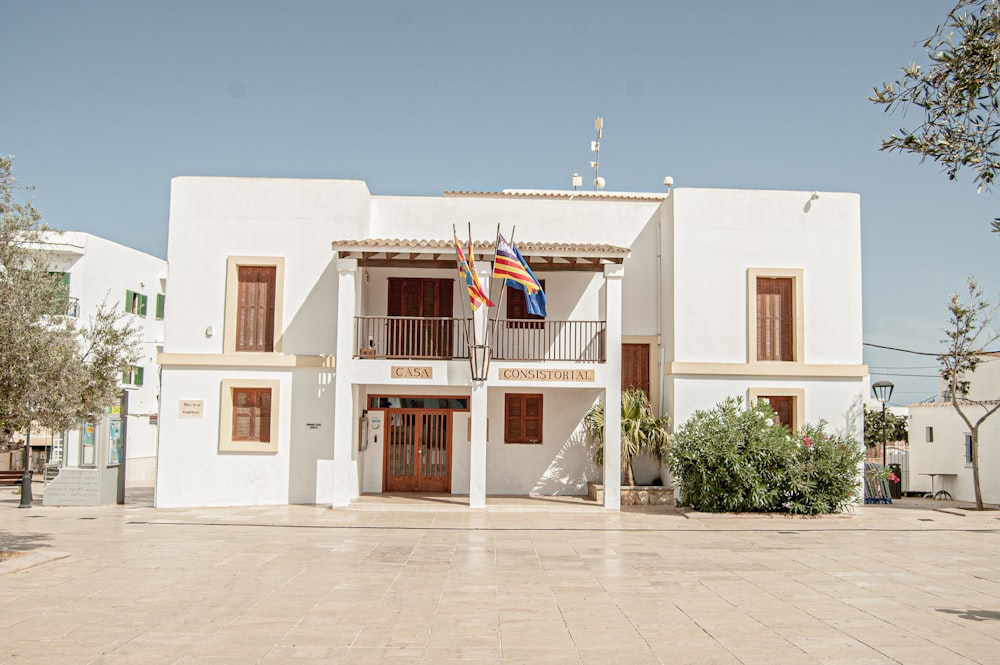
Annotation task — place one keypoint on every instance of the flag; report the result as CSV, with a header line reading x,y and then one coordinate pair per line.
x,y
511,266
476,294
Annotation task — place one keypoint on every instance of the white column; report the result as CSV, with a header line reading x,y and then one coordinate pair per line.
x,y
613,274
344,486
478,405
477,454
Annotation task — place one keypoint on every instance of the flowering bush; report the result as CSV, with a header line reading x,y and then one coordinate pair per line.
x,y
735,458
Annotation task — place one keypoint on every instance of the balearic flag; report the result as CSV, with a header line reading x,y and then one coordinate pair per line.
x,y
511,266
466,268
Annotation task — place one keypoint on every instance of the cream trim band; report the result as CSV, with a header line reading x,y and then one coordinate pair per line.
x,y
768,369
244,360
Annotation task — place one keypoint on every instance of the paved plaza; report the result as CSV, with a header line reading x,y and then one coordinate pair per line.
x,y
426,580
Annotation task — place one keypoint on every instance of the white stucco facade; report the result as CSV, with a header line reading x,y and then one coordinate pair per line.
x,y
939,440
100,271
674,273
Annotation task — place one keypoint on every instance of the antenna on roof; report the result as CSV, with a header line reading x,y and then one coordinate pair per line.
x,y
595,147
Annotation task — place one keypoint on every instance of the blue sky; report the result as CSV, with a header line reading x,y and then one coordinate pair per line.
x,y
104,102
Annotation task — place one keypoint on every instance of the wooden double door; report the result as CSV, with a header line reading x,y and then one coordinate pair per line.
x,y
417,450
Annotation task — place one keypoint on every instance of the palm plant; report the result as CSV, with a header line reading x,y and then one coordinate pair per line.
x,y
642,432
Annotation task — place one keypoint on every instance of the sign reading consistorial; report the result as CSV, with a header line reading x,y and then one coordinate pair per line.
x,y
403,372
191,408
517,374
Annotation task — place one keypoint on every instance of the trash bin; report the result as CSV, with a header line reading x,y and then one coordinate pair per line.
x,y
896,486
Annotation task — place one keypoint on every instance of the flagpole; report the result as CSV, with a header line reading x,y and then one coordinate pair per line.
x,y
466,306
496,317
477,375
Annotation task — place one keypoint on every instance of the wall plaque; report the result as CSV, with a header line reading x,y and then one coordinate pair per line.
x,y
191,408
403,372
518,374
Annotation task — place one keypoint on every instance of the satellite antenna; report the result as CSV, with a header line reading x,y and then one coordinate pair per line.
x,y
595,147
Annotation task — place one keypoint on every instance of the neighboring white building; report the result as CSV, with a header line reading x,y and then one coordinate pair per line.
x,y
315,341
99,270
940,442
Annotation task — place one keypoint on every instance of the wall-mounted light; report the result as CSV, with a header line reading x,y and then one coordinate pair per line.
x,y
209,331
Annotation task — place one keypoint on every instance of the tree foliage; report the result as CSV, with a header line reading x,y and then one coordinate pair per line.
x,y
956,95
896,427
52,370
969,334
642,432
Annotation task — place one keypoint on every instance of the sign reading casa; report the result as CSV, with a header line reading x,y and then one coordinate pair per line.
x,y
516,374
403,372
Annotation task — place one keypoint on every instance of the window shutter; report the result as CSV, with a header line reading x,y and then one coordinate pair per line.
x,y
255,308
522,418
775,319
513,416
395,305
242,415
142,306
446,297
129,301
138,376
263,415
252,414
533,418
160,302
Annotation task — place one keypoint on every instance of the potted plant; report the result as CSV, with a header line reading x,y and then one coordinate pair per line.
x,y
641,431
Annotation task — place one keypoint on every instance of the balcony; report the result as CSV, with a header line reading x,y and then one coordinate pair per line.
x,y
418,338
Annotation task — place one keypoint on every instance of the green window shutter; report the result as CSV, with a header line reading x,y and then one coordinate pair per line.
x,y
128,300
126,377
138,376
160,301
142,306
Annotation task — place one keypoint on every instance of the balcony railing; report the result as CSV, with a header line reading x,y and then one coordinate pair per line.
x,y
572,341
409,337
445,338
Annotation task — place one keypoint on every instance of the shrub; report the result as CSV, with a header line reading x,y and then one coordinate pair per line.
x,y
734,458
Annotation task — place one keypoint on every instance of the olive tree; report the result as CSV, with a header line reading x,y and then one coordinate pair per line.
x,y
54,370
955,96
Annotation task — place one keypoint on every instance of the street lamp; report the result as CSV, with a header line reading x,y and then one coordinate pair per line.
x,y
26,476
883,393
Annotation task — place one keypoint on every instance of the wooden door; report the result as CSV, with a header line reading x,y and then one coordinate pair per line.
x,y
417,450
635,367
416,298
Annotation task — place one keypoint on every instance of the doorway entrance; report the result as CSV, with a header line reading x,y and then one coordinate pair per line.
x,y
417,450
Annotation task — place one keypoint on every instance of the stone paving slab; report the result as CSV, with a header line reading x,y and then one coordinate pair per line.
x,y
517,582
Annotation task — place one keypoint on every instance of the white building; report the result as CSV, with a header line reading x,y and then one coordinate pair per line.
x,y
315,341
941,442
98,270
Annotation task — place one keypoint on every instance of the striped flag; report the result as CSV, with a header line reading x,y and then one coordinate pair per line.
x,y
511,266
466,267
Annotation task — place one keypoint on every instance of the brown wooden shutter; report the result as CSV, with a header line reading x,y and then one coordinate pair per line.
x,y
513,418
635,367
395,307
252,414
522,418
775,319
264,415
242,415
255,308
446,297
533,418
